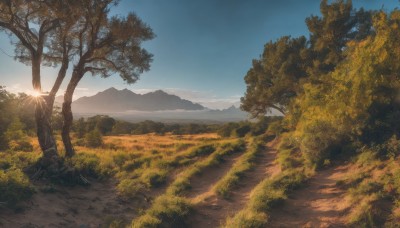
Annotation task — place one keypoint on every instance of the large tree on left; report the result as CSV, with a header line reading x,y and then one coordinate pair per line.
x,y
33,26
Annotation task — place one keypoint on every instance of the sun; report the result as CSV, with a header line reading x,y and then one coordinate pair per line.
x,y
36,94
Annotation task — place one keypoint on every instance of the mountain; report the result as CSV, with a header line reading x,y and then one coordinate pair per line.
x,y
113,100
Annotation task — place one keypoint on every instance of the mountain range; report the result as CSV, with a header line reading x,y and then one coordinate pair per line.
x,y
113,100
157,106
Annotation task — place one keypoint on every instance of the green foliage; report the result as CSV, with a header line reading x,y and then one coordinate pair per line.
x,y
329,34
88,164
14,187
244,128
339,86
130,187
57,119
154,177
16,121
276,127
273,80
289,155
109,126
318,141
248,219
17,137
93,139
166,211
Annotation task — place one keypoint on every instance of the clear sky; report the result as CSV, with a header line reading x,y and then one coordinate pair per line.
x,y
203,48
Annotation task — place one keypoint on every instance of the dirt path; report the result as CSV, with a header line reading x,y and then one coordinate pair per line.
x,y
209,176
212,211
71,207
320,204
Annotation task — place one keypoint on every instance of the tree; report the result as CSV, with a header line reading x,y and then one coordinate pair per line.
x,y
105,124
80,127
339,23
34,24
93,139
358,101
275,79
104,46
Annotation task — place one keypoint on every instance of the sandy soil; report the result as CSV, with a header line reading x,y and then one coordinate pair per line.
x,y
320,204
78,206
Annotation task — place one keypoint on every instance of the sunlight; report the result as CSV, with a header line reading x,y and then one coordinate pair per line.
x,y
36,97
36,94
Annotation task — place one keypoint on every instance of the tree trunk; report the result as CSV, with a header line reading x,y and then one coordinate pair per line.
x,y
67,114
44,108
43,111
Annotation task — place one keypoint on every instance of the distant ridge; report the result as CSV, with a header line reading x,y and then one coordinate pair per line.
x,y
113,100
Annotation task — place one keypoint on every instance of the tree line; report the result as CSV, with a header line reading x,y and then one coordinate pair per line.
x,y
17,125
338,88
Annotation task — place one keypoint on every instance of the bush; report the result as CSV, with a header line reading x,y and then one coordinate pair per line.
x,y
318,141
130,187
87,164
247,219
166,211
242,131
94,139
14,187
154,177
20,145
276,127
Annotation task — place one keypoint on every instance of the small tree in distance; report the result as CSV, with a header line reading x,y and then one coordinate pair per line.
x,y
93,139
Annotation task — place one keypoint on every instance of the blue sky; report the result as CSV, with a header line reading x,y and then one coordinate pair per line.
x,y
203,48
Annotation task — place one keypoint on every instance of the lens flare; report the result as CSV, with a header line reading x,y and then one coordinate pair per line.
x,y
36,94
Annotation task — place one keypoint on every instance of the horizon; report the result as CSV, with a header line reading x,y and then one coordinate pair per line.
x,y
205,104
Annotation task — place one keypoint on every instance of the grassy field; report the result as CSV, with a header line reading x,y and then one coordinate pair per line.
x,y
200,180
141,166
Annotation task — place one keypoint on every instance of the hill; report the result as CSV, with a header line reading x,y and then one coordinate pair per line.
x,y
113,100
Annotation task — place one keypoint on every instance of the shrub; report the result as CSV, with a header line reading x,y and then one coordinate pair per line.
x,y
87,164
276,127
154,177
94,139
14,187
20,145
318,141
242,131
247,219
166,211
129,187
